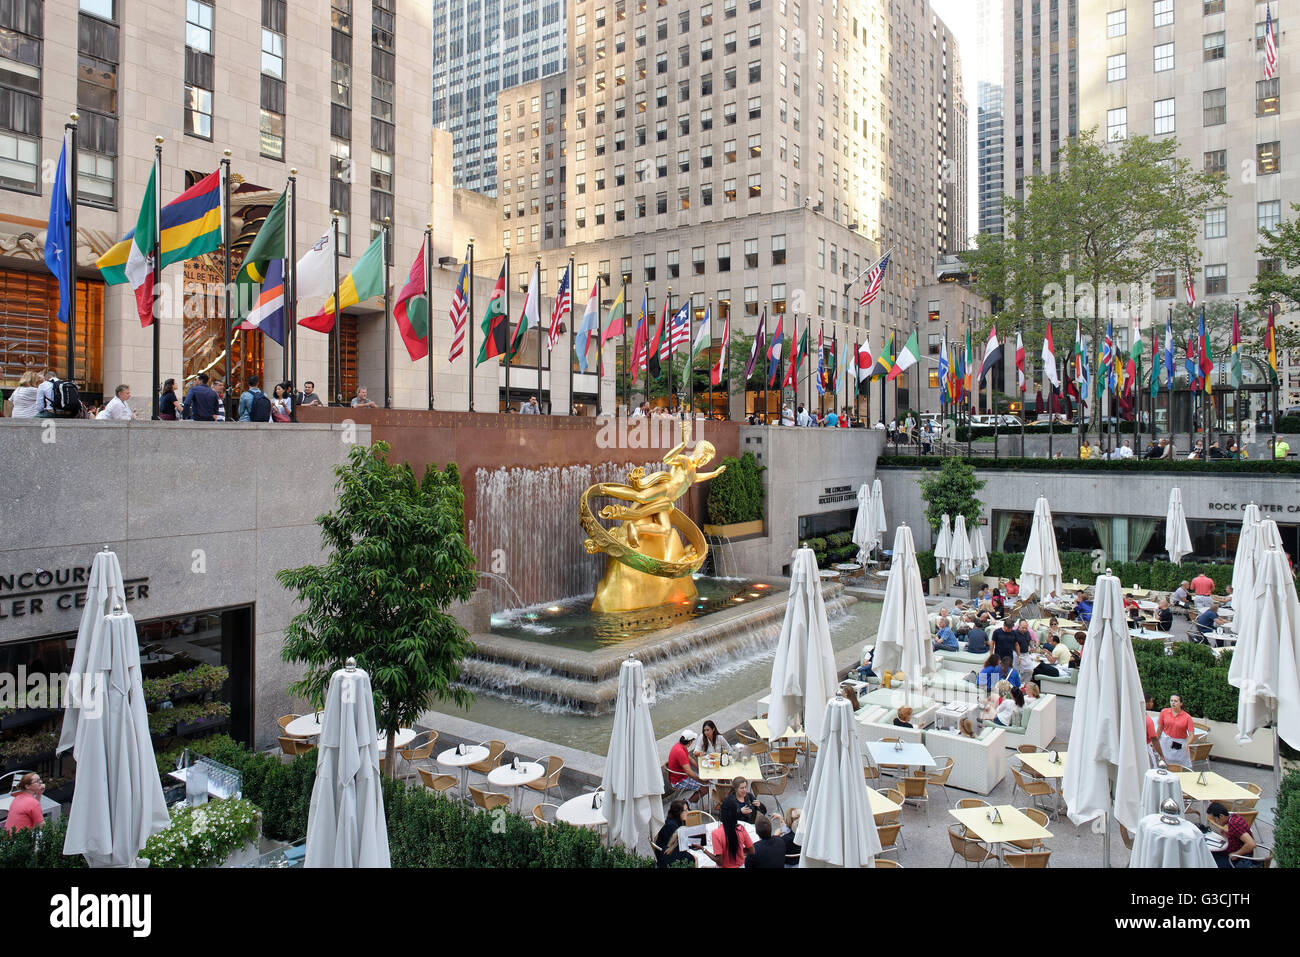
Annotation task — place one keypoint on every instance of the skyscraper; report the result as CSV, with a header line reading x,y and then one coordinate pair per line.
x,y
1041,85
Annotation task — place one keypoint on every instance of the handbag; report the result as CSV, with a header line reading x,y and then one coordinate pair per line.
x,y
279,417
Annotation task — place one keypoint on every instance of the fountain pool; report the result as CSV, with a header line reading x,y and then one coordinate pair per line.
x,y
683,699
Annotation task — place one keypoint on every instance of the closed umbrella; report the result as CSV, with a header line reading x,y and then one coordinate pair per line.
x,y
803,673
878,510
104,586
962,555
1266,663
1178,541
903,636
632,781
943,552
1040,572
1243,563
837,829
865,535
1108,730
980,555
345,822
118,803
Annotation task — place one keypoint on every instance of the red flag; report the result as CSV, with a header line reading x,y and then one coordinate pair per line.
x,y
638,349
413,317
718,367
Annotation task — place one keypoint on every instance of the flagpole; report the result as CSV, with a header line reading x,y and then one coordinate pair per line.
x,y
1024,412
821,365
157,269
668,310
1235,346
291,284
70,181
509,339
336,333
428,302
708,314
226,276
690,364
766,305
600,353
1272,417
812,369
550,399
469,322
572,339
627,372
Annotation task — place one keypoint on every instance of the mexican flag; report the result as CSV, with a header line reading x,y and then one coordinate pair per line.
x,y
365,281
909,357
494,323
412,310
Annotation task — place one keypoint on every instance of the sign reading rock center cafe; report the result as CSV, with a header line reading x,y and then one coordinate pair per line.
x,y
40,590
1292,508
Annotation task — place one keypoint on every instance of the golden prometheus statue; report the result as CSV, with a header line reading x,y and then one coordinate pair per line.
x,y
649,565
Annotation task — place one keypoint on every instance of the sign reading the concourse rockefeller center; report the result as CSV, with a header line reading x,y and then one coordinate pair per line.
x,y
837,493
40,590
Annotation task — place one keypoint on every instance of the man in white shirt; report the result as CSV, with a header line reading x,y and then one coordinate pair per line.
x,y
1125,451
117,407
45,395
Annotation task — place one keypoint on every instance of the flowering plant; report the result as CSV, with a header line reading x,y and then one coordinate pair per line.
x,y
204,836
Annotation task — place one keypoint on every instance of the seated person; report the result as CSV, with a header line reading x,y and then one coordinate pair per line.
x,y
851,697
1032,691
1076,657
947,638
967,728
729,844
1012,589
1000,693
984,594
1181,595
1009,708
904,719
668,852
792,849
682,769
746,807
997,602
1227,599
1083,610
769,851
1009,673
1155,450
709,741
1206,622
1237,831
977,640
1061,660
1166,615
991,673
864,669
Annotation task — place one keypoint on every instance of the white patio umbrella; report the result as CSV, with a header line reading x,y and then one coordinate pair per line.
x,y
1266,663
837,828
903,636
1178,541
980,555
118,802
345,822
632,781
1243,563
878,510
943,552
104,586
1108,730
1040,572
803,672
865,535
963,556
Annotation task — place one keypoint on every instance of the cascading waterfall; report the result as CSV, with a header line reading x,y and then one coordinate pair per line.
x,y
701,655
526,529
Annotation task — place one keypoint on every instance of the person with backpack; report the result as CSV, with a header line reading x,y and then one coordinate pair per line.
x,y
254,406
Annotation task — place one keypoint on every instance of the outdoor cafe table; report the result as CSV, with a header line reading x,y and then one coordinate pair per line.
x,y
1074,586
881,804
1157,787
761,729
579,812
1136,592
472,755
1215,788
911,754
1014,826
748,769
1041,762
505,776
1157,844
307,726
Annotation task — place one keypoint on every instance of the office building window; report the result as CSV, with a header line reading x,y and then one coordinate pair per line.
x,y
751,253
1216,222
1165,284
1163,56
697,260
1267,96
1163,13
778,250
1211,7
198,26
198,112
724,257
272,53
755,184
1216,162
1117,124
751,300
1261,32
729,190
1268,215
1212,46
1163,117
1116,23
1216,279
674,263
1116,67
1214,107
1268,157
755,106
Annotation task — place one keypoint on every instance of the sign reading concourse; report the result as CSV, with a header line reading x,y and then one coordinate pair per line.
x,y
39,590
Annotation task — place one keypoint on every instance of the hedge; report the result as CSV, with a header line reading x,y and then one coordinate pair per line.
x,y
1286,425
1253,466
1159,575
424,829
1286,834
737,494
1192,672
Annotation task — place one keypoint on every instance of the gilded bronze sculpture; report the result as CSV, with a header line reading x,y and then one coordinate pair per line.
x,y
649,565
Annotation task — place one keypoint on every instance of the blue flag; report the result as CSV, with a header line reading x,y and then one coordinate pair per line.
x,y
58,237
1169,352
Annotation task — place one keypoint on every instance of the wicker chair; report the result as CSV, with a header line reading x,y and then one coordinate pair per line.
x,y
1198,752
284,721
544,814
775,778
1033,790
495,750
967,848
488,800
1039,817
1029,859
543,785
438,783
296,746
419,750
883,862
939,779
915,789
971,802
888,835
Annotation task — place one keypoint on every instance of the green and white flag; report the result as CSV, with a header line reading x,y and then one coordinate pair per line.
x,y
907,357
703,338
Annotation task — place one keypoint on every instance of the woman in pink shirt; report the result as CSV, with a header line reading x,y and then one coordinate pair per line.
x,y
25,811
1175,731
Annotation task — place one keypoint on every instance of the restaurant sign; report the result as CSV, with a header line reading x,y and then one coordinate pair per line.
x,y
40,590
837,493
1292,508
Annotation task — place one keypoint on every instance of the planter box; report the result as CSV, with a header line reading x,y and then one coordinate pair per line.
x,y
736,529
1223,735
206,724
244,856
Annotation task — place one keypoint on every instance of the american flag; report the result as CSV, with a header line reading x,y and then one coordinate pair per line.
x,y
875,279
1191,287
680,330
459,314
1270,45
563,307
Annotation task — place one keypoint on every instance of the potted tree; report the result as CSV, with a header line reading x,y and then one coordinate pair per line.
x,y
735,502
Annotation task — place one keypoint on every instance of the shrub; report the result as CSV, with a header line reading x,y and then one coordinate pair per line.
x,y
203,836
38,847
1288,424
1254,466
1286,836
1191,671
927,565
737,494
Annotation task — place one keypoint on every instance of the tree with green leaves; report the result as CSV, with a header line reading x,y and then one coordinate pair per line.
x,y
397,560
952,491
1282,285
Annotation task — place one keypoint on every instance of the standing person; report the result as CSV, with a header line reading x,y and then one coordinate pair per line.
x,y
361,402
167,402
117,407
1154,754
292,399
309,396
25,811
279,404
1175,728
219,387
201,401
254,406
26,397
832,420
802,417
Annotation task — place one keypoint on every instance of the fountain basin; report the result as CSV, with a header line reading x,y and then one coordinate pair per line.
x,y
585,680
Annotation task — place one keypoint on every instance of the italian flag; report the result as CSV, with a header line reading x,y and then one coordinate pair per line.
x,y
412,310
139,260
1133,370
365,281
909,357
